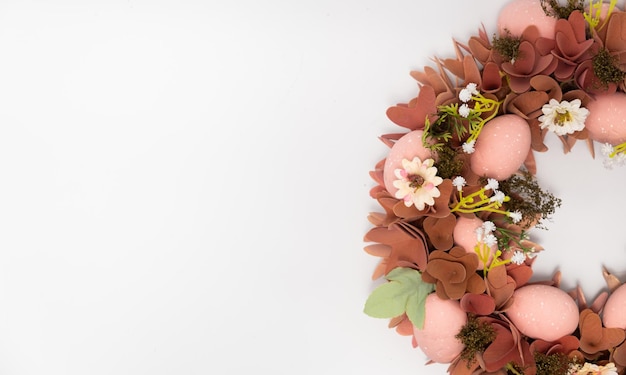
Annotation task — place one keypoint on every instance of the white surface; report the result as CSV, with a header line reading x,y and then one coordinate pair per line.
x,y
185,183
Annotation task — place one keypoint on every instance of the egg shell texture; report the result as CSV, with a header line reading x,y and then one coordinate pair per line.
x,y
606,121
501,147
407,147
614,312
543,312
444,320
464,235
519,14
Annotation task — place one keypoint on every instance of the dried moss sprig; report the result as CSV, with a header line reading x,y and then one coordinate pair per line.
x,y
529,199
552,364
448,162
507,45
554,9
605,67
476,336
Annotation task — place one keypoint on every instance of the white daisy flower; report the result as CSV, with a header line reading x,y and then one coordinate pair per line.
x,y
564,117
417,183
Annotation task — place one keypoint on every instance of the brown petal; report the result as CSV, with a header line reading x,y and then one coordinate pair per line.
x,y
413,116
447,271
479,304
501,351
492,81
615,39
439,231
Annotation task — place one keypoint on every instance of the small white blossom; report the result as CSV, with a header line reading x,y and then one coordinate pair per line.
x,y
490,240
515,216
492,184
498,196
607,149
489,226
472,87
468,147
618,160
465,95
518,257
464,110
458,182
417,183
564,117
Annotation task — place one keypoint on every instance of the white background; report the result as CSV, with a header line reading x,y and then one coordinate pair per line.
x,y
184,184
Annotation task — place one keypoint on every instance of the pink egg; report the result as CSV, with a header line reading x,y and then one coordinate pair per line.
x,y
543,312
501,147
444,320
606,122
613,314
464,235
518,14
407,147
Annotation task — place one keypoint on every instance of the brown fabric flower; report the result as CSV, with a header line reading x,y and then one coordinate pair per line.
x,y
400,245
594,338
413,115
508,347
572,46
618,356
500,286
535,58
567,345
454,273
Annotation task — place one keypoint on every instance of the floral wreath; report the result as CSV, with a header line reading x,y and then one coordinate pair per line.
x,y
459,195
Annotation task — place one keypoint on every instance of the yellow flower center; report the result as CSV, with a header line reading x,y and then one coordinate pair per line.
x,y
562,116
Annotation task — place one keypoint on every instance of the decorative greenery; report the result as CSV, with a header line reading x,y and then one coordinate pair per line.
x,y
605,67
448,124
404,293
507,45
448,163
527,197
552,364
476,336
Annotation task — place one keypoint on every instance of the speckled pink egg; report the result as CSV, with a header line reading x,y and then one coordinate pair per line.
x,y
501,147
518,14
614,313
606,122
444,319
543,312
407,147
464,235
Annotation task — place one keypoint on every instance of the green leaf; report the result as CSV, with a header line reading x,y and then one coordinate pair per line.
x,y
404,293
